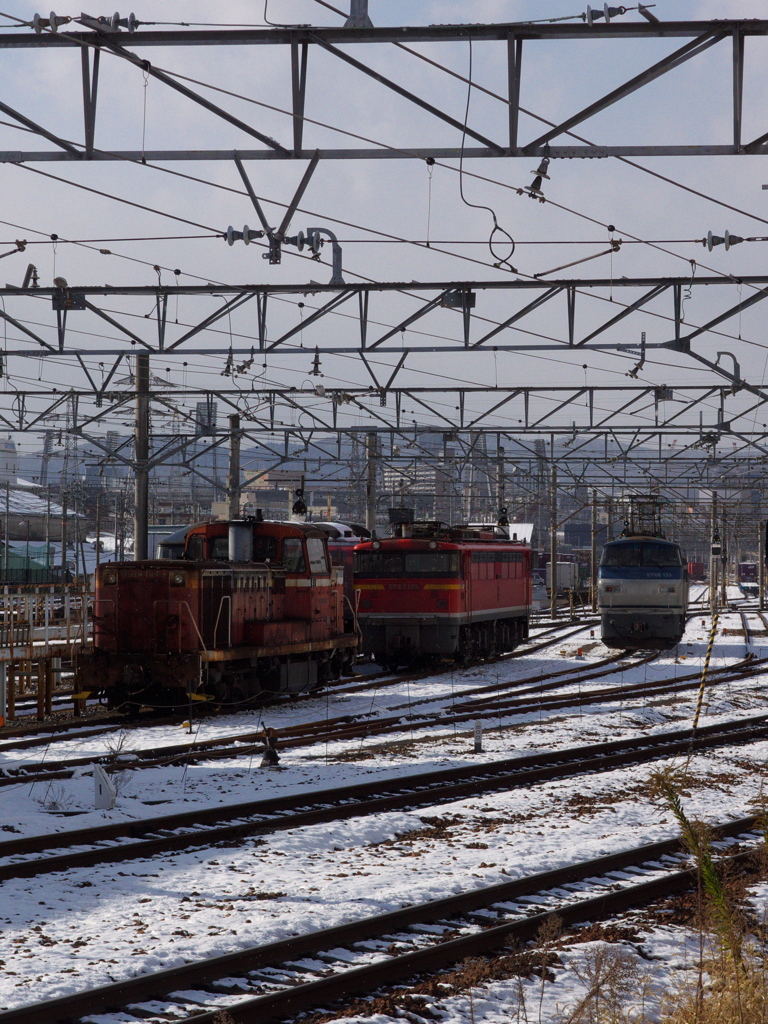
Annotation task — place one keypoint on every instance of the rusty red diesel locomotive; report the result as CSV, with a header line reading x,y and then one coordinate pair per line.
x,y
252,607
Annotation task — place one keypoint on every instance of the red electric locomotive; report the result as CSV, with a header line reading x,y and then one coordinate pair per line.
x,y
252,607
438,591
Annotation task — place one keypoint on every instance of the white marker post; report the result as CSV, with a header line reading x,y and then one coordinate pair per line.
x,y
478,737
103,791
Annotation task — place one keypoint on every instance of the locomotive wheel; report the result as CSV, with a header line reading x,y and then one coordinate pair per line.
x,y
329,668
465,652
348,662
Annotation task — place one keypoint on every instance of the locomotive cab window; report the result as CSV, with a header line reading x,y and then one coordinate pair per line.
x,y
661,555
195,549
649,554
316,550
264,549
220,549
379,563
412,563
293,555
438,563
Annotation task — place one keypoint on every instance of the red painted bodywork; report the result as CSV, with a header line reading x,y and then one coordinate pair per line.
x,y
481,588
161,621
481,604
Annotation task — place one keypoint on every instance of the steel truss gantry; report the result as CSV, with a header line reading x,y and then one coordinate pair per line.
x,y
680,428
701,37
561,411
471,328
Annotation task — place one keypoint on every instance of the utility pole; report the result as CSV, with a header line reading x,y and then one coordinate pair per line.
x,y
761,565
6,537
233,477
553,545
500,495
713,538
98,530
141,435
370,482
48,565
724,563
63,537
593,559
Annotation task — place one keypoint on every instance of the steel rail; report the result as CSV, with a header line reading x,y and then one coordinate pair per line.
x,y
372,682
416,676
361,800
490,709
344,726
739,670
347,727
162,984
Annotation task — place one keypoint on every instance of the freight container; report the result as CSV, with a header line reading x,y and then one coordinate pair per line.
x,y
567,576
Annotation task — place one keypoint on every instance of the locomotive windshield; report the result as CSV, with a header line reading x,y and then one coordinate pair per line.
x,y
316,552
293,555
264,549
649,554
412,563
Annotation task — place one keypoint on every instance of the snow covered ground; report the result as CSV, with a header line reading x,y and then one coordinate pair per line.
x,y
82,928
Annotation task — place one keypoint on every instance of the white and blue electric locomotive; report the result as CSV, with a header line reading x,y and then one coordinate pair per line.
x,y
642,589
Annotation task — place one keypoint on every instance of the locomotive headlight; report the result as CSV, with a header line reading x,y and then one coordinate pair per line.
x,y
432,545
376,545
109,579
178,579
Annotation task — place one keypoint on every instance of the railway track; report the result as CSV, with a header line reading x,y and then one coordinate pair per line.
x,y
252,737
44,734
292,976
740,670
347,727
251,743
426,674
204,827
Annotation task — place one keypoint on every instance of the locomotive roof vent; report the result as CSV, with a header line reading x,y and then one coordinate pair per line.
x,y
401,516
430,529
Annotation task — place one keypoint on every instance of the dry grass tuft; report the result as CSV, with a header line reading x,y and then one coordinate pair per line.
x,y
725,994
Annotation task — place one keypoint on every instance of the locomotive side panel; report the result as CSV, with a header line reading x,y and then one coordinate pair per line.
x,y
500,584
145,629
441,599
209,627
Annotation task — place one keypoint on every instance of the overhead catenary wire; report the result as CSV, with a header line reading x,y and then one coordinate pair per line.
x,y
571,134
481,206
356,135
379,241
488,179
480,177
351,356
383,145
337,220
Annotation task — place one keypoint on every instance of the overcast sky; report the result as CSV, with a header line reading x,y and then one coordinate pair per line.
x,y
363,200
